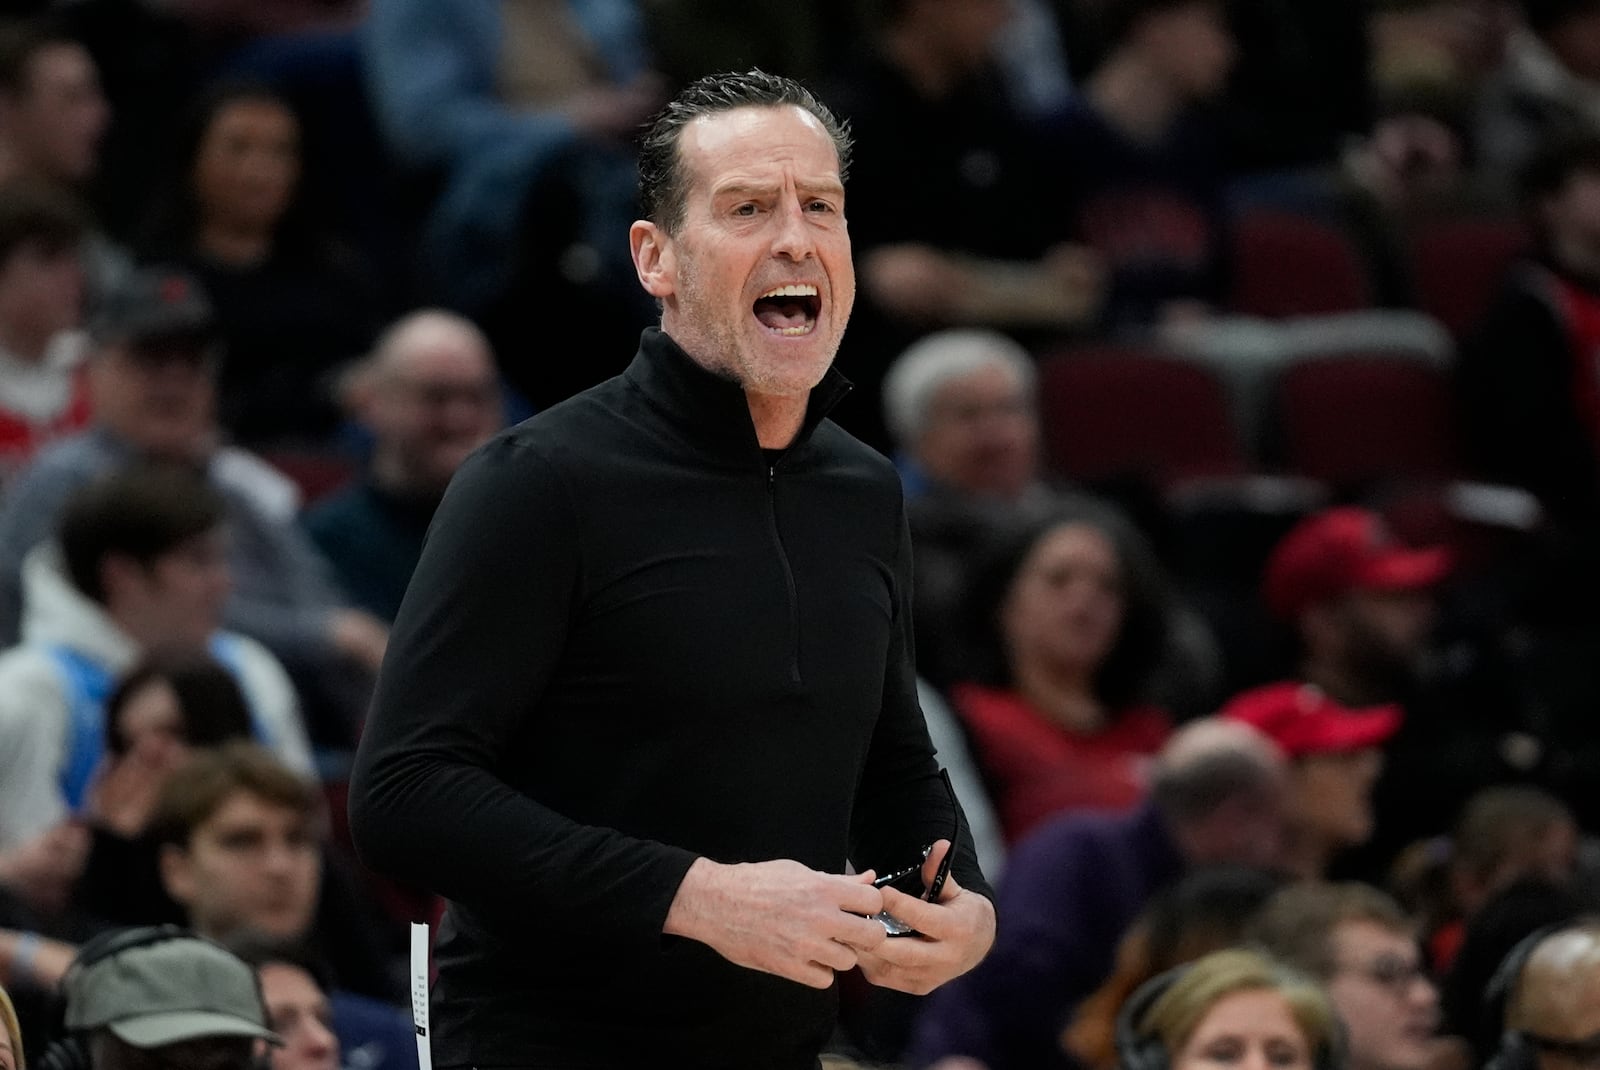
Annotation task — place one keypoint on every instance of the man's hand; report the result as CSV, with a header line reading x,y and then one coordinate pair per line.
x,y
779,917
123,793
957,932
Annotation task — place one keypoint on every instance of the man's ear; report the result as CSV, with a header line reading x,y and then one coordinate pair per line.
x,y
653,258
177,874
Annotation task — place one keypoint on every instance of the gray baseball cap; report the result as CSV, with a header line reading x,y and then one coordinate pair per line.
x,y
178,988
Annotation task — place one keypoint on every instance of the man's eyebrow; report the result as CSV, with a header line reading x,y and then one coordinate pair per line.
x,y
744,189
753,189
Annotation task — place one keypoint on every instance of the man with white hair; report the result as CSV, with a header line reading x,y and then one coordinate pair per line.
x,y
429,395
960,404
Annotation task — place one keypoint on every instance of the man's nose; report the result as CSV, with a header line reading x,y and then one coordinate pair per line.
x,y
794,239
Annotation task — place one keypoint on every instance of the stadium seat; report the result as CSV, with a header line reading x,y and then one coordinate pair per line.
x,y
1457,265
317,473
1114,412
1357,420
1285,264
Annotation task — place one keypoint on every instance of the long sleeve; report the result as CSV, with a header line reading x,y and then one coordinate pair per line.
x,y
900,791
475,645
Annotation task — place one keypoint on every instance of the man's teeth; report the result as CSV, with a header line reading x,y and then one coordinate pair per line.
x,y
806,290
802,329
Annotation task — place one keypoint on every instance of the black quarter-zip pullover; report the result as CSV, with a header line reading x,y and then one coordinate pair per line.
x,y
635,638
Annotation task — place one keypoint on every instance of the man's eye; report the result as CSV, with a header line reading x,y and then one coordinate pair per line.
x,y
745,210
819,206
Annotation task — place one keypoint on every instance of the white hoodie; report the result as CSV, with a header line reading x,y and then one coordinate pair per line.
x,y
35,710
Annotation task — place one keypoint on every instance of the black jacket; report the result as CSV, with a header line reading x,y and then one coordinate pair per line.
x,y
633,640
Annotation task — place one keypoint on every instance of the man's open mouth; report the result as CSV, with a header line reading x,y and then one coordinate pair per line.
x,y
789,310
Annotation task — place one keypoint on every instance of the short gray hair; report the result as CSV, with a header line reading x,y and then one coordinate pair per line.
x,y
929,363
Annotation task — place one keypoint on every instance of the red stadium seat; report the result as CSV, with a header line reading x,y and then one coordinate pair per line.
x,y
1286,264
1113,412
1359,419
317,474
1457,266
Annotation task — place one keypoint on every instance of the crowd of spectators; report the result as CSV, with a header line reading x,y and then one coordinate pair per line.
x,y
1239,359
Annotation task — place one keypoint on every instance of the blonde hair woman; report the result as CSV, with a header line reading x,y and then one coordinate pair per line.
x,y
10,1036
1230,1009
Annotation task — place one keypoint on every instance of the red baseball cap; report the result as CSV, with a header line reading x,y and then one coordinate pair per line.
x,y
1342,550
1301,719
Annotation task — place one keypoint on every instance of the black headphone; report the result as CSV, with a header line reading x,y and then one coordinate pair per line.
x,y
1514,1052
1141,1050
72,1051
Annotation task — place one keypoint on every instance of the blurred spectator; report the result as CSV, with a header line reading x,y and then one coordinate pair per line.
x,y
44,392
1505,834
1549,991
1145,181
429,395
1504,922
52,112
1070,622
1335,755
1547,87
1530,391
1361,605
158,997
152,373
1235,1001
241,848
961,405
933,128
53,117
316,1028
524,113
160,711
294,987
137,566
1432,61
1357,943
292,303
1447,47
962,410
1206,911
1070,891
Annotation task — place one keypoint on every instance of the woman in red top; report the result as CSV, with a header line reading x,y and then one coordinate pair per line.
x,y
1073,614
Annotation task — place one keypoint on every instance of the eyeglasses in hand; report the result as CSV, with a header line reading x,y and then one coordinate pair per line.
x,y
893,925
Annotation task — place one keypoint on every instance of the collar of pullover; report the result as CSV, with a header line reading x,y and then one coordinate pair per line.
x,y
711,409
